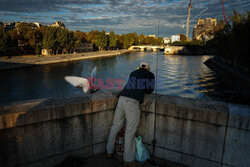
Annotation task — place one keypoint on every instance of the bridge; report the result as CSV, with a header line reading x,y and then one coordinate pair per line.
x,y
143,48
190,132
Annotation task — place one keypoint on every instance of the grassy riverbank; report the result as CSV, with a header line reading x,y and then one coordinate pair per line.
x,y
14,62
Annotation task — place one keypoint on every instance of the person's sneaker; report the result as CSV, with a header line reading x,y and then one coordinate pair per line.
x,y
109,155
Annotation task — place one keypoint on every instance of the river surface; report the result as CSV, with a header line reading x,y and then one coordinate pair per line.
x,y
184,76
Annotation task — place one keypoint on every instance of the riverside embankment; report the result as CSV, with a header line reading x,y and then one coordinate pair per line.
x,y
238,78
29,61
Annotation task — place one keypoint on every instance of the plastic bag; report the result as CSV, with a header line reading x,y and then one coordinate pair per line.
x,y
141,152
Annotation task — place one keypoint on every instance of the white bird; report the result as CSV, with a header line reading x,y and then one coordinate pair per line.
x,y
80,82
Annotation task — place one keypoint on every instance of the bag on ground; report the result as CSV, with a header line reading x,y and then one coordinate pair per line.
x,y
141,153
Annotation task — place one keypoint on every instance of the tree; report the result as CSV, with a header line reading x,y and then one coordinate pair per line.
x,y
231,41
12,44
3,41
50,38
70,44
127,41
61,39
102,40
183,37
113,40
130,39
26,35
141,39
92,36
80,37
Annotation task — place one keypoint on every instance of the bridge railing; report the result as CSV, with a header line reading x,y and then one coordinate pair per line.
x,y
188,131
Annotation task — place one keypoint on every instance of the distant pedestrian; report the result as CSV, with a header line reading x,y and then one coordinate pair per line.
x,y
141,81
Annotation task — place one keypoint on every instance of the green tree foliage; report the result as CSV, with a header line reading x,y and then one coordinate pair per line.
x,y
231,41
80,37
147,40
27,37
129,40
58,39
70,44
50,38
13,42
3,41
113,40
102,40
141,39
92,36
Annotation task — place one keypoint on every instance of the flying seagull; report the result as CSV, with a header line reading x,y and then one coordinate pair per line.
x,y
84,83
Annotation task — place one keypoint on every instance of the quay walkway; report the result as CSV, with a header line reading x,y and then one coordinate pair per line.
x,y
29,61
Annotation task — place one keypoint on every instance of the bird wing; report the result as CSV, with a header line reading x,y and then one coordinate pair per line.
x,y
93,74
78,82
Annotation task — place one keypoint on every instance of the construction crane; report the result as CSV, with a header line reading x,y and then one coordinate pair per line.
x,y
183,25
223,9
188,19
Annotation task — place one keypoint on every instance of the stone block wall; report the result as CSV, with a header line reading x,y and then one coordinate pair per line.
x,y
196,132
186,131
44,132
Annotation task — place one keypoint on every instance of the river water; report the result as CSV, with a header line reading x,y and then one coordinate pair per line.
x,y
184,76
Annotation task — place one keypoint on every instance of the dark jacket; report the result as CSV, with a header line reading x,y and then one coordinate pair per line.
x,y
140,81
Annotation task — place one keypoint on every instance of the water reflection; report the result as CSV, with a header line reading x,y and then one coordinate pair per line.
x,y
184,76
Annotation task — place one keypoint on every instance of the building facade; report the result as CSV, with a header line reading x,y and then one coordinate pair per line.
x,y
58,24
9,26
175,38
12,25
205,28
166,40
153,36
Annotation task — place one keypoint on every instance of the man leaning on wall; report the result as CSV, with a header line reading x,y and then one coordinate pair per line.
x,y
140,82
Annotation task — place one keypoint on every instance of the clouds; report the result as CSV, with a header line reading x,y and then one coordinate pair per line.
x,y
42,5
122,16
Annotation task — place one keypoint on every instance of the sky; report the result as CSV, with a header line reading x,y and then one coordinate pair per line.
x,y
121,16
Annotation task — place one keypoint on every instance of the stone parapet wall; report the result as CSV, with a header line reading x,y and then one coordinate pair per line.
x,y
197,132
187,131
44,132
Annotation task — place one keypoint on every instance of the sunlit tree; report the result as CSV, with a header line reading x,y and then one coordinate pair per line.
x,y
113,40
102,40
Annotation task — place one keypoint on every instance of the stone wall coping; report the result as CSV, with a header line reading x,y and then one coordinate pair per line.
x,y
212,112
239,116
40,110
193,109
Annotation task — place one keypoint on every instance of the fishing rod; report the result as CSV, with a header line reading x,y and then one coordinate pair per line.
x,y
156,88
